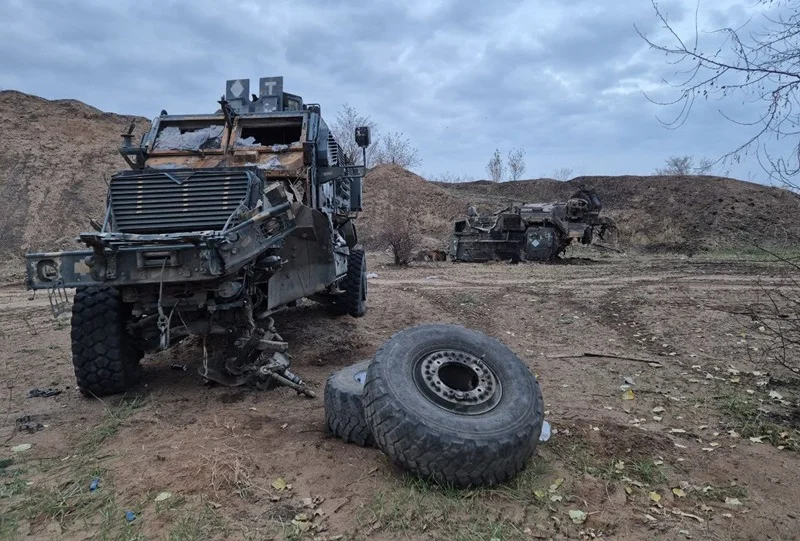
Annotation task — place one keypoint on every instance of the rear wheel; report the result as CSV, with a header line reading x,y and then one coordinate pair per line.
x,y
354,299
105,359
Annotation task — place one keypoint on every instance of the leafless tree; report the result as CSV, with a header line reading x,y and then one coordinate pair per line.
x,y
563,173
677,165
401,236
516,163
496,168
755,62
450,177
344,128
684,166
704,166
395,148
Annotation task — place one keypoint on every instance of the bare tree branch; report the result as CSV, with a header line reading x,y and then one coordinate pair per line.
x,y
759,65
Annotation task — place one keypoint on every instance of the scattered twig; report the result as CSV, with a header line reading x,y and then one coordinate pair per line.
x,y
604,356
31,328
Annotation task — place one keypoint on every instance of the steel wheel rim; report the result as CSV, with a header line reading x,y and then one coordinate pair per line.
x,y
457,381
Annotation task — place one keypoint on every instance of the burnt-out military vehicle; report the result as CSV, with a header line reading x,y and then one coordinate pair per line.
x,y
222,220
529,231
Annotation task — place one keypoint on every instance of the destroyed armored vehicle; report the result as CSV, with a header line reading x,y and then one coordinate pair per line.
x,y
530,231
222,220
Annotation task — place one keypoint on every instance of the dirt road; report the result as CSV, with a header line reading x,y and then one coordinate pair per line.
x,y
689,456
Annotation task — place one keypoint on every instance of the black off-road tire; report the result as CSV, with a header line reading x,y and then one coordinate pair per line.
x,y
105,359
354,301
344,406
453,443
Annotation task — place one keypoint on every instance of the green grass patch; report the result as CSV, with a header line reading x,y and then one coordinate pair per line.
x,y
415,505
747,418
196,523
56,495
115,416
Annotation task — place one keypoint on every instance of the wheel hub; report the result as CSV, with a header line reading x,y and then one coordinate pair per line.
x,y
457,381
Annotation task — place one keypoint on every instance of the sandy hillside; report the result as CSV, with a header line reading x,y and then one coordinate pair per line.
x,y
55,158
391,192
658,212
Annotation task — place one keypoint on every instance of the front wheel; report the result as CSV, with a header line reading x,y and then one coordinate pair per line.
x,y
105,359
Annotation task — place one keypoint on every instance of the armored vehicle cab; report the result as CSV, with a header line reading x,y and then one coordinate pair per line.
x,y
530,231
222,220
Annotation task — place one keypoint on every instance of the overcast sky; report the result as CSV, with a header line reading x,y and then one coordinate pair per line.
x,y
563,80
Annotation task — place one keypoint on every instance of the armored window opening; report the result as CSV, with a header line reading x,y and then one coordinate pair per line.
x,y
268,134
192,135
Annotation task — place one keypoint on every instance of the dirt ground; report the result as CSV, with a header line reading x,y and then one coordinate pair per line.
x,y
705,449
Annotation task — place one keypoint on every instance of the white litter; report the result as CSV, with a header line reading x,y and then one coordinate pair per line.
x,y
545,435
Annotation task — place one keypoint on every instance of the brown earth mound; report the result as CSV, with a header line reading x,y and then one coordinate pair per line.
x,y
665,212
393,193
55,159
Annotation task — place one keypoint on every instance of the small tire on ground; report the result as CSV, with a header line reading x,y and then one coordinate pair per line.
x,y
355,284
435,441
344,407
105,359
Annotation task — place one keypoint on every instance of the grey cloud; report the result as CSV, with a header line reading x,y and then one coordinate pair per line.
x,y
560,79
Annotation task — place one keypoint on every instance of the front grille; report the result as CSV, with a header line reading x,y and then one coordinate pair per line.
x,y
178,200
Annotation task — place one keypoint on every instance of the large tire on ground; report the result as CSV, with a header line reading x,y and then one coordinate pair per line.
x,y
105,359
354,301
344,407
453,405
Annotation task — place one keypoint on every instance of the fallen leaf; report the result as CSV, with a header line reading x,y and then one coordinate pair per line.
x,y
657,418
302,523
634,482
658,409
732,501
577,516
677,431
163,496
540,494
557,483
628,490
655,496
757,439
679,492
279,484
619,465
21,448
775,395
628,395
556,497
727,515
658,462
